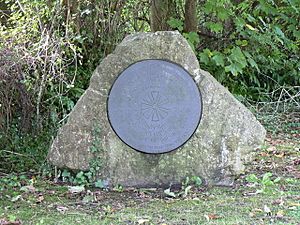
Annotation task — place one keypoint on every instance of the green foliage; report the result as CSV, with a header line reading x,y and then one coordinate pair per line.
x,y
252,48
197,181
264,185
186,187
89,177
97,162
255,46
83,178
191,37
12,181
18,151
48,50
118,188
176,24
99,184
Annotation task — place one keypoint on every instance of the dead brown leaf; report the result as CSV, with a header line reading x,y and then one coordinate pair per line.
x,y
5,221
280,214
61,209
211,217
280,155
40,199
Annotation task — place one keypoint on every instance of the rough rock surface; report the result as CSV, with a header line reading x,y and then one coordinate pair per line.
x,y
225,140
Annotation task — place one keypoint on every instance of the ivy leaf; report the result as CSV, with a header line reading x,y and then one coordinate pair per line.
x,y
267,176
234,68
238,57
66,173
238,61
252,178
193,37
205,56
219,59
208,7
242,43
175,24
197,180
296,34
99,184
239,22
223,13
215,27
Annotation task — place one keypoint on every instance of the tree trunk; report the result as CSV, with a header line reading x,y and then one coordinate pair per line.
x,y
190,16
4,13
161,12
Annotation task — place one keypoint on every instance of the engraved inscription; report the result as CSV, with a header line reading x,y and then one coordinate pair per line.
x,y
154,107
157,134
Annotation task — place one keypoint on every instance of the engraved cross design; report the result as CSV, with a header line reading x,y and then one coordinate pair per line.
x,y
153,107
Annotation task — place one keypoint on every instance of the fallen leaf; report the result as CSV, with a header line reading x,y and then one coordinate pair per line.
x,y
16,198
250,27
296,162
61,209
142,221
168,192
279,155
264,154
251,214
267,210
28,188
258,210
278,202
9,222
280,214
271,149
211,217
206,217
40,199
294,204
51,192
88,198
76,189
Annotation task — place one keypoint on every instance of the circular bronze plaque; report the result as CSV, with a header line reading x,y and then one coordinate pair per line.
x,y
154,106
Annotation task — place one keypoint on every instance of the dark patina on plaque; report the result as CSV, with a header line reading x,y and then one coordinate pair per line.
x,y
154,106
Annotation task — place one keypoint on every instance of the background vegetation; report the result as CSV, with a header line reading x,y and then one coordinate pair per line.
x,y
49,49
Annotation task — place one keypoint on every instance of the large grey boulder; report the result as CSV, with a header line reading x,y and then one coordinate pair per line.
x,y
223,143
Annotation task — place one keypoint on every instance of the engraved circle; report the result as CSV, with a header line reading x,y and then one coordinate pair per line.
x,y
154,106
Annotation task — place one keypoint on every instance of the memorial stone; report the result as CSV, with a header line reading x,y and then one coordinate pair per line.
x,y
150,96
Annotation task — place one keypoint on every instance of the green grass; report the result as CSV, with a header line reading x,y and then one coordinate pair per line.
x,y
49,203
212,206
250,201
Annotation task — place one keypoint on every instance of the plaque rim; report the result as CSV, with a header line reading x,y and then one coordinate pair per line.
x,y
200,96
